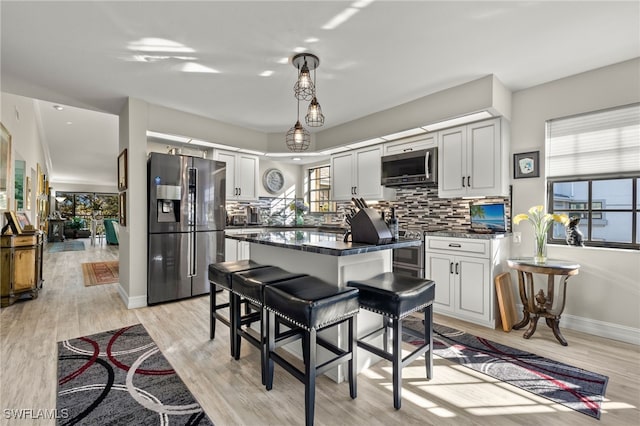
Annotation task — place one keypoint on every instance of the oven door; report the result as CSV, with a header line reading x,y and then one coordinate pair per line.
x,y
408,270
409,256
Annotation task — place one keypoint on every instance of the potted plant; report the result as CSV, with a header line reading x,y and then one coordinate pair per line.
x,y
75,225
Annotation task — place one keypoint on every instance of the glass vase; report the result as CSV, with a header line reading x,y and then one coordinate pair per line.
x,y
299,219
540,253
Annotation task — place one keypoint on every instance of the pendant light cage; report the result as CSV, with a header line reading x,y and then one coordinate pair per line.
x,y
298,138
314,117
304,89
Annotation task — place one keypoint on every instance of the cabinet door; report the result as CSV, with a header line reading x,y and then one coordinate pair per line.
x,y
341,176
230,159
452,163
473,287
484,158
439,267
230,250
247,177
244,250
368,173
414,144
24,269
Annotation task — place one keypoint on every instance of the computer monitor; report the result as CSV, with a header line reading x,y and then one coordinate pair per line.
x,y
488,218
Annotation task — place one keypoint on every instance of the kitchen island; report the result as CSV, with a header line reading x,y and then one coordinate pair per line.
x,y
326,256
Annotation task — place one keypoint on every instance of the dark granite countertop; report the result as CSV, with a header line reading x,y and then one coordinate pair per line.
x,y
326,227
470,235
328,243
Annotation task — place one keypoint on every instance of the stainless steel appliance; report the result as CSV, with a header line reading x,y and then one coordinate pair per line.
x,y
410,168
185,224
410,260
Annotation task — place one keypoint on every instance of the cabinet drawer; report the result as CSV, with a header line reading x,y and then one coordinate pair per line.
x,y
459,245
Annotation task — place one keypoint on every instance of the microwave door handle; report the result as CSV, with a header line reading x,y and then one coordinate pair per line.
x,y
427,169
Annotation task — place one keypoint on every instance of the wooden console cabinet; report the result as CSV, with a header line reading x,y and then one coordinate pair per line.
x,y
21,266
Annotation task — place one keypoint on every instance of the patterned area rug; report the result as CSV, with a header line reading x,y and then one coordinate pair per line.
x,y
573,387
65,246
96,273
121,377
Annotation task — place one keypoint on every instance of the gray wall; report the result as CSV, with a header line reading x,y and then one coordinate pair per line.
x,y
604,298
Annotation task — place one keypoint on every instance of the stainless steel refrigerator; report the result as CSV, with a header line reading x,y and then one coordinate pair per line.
x,y
185,225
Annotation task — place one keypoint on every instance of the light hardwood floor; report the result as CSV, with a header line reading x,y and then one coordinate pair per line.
x,y
231,393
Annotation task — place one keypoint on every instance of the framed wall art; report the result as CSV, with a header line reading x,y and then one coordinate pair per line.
x,y
122,170
5,167
12,222
122,216
526,165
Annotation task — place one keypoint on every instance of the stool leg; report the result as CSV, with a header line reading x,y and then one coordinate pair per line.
x,y
386,323
428,338
353,348
263,343
236,324
397,361
309,355
212,309
271,344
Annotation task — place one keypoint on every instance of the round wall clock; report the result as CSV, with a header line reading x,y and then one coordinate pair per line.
x,y
273,180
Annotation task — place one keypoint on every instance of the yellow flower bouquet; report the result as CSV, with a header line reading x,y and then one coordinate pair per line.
x,y
541,222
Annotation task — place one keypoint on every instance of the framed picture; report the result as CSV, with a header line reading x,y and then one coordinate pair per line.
x,y
122,170
526,165
12,222
123,209
5,167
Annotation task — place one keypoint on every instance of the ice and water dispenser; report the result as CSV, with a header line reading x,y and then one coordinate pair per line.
x,y
168,198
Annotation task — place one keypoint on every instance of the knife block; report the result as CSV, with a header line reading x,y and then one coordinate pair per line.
x,y
367,226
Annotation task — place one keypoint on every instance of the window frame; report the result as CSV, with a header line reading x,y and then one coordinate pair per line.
x,y
310,190
589,211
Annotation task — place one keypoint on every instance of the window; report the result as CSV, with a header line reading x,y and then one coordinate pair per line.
x,y
319,195
82,204
593,172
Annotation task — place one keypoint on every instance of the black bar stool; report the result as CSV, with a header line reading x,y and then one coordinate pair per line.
x,y
249,286
309,305
394,297
220,278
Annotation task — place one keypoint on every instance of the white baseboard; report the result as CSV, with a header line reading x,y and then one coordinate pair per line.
x,y
598,328
132,302
601,328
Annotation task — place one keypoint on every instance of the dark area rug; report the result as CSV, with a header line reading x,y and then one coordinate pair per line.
x,y
573,387
65,246
120,377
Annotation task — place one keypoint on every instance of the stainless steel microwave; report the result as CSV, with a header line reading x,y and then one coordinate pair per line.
x,y
410,168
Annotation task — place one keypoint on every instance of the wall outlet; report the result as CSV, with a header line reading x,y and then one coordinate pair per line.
x,y
516,237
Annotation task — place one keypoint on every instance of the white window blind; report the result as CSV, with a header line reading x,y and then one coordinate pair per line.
x,y
601,142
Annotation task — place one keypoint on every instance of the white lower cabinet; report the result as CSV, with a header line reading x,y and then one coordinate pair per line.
x,y
235,250
463,270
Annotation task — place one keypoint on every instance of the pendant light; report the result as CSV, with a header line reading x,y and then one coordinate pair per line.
x,y
298,138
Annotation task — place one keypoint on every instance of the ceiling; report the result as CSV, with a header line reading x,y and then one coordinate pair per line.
x,y
91,56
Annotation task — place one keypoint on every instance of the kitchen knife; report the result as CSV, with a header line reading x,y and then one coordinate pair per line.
x,y
356,203
363,203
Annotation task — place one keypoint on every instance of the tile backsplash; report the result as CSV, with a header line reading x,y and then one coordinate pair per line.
x,y
417,207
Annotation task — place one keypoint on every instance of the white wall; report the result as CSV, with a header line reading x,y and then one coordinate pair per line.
x,y
292,176
19,116
605,297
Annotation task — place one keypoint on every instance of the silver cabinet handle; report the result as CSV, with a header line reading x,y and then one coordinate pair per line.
x,y
451,267
469,181
463,181
457,264
455,245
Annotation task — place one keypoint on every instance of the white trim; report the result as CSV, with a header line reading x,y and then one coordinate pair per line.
x,y
607,330
131,302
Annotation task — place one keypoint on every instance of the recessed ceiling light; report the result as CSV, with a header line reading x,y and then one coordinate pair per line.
x,y
69,122
284,60
299,49
267,73
58,107
312,40
296,158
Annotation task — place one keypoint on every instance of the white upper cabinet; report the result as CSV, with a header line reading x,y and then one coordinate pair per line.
x,y
473,160
242,175
414,143
357,174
